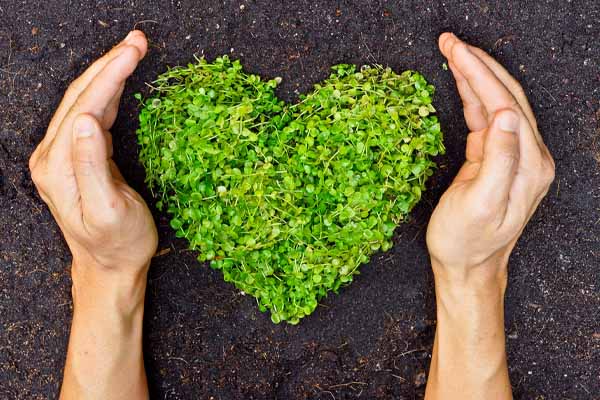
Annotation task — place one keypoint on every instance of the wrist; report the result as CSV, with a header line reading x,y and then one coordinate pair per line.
x,y
105,358
106,291
470,321
469,302
489,276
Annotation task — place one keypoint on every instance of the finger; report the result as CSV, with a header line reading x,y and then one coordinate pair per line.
x,y
525,196
109,143
475,142
95,99
134,38
92,168
487,87
475,113
110,114
508,81
114,170
34,158
495,96
516,90
101,91
500,161
467,173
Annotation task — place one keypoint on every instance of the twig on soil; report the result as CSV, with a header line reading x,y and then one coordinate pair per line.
x,y
162,252
146,21
161,275
39,210
178,359
37,270
347,384
584,388
412,351
503,40
368,49
417,234
6,67
550,94
10,46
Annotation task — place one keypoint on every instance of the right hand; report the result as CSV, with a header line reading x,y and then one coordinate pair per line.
x,y
507,172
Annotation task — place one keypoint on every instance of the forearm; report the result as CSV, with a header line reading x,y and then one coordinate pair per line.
x,y
469,356
104,357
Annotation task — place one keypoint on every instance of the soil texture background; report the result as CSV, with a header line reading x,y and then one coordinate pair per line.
x,y
205,340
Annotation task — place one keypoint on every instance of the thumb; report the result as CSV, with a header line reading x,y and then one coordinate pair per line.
x,y
91,165
500,158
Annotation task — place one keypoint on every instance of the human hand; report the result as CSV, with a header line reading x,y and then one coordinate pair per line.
x,y
507,172
476,224
108,229
106,224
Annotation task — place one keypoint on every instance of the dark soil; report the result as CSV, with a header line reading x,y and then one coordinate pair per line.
x,y
203,339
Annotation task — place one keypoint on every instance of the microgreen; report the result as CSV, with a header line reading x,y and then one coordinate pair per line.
x,y
287,200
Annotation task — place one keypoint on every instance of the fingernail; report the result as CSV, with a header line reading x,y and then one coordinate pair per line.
x,y
129,36
84,128
508,121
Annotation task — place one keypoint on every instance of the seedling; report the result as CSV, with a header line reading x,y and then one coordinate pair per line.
x,y
287,200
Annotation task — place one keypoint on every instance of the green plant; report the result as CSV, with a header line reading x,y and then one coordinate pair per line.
x,y
287,200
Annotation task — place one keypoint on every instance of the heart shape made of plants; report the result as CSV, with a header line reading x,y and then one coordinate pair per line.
x,y
287,200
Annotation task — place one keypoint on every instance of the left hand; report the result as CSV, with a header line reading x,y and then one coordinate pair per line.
x,y
106,224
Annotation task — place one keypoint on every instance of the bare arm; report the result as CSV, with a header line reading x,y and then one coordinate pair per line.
x,y
107,226
476,224
104,358
469,357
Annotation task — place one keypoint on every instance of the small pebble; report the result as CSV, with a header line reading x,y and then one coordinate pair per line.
x,y
420,379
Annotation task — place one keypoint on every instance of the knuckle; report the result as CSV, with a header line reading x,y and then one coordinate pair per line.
x,y
483,213
33,161
514,104
109,219
102,228
518,90
77,104
507,159
37,173
85,169
549,173
456,46
85,162
75,86
97,232
36,176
